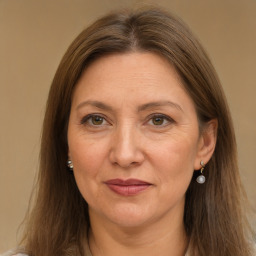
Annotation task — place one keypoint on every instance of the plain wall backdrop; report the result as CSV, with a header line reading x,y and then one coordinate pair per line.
x,y
34,35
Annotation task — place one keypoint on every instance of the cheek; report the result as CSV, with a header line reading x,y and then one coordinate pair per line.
x,y
174,172
174,162
87,158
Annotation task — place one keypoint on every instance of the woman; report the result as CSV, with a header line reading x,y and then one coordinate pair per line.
x,y
138,153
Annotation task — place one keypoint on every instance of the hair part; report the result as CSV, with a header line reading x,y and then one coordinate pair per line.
x,y
214,216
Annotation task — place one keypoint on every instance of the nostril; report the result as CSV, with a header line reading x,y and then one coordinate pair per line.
x,y
126,159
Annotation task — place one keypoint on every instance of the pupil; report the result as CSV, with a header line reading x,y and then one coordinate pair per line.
x,y
97,120
158,120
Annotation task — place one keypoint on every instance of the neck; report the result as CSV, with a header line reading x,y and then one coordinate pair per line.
x,y
166,237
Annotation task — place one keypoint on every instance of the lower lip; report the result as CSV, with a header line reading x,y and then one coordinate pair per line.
x,y
128,190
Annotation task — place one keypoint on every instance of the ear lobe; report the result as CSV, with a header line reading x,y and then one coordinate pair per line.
x,y
207,143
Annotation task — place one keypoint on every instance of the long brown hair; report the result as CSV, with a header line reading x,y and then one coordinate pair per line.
x,y
214,215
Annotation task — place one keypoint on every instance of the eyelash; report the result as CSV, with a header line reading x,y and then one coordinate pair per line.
x,y
164,117
89,117
85,120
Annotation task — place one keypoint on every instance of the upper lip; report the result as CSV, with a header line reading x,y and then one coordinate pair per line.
x,y
128,182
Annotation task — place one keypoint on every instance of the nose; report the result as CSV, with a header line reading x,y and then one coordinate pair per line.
x,y
126,147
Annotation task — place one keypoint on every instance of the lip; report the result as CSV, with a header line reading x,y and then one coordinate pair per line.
x,y
128,187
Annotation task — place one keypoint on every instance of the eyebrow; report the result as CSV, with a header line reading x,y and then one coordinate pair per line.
x,y
159,104
150,105
97,104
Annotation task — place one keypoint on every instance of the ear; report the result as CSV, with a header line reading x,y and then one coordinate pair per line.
x,y
206,143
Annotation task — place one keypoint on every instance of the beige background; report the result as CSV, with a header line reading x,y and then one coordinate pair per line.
x,y
33,37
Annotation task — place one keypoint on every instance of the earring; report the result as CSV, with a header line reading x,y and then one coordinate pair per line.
x,y
70,165
201,178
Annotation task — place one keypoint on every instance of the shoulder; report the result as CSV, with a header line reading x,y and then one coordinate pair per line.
x,y
13,253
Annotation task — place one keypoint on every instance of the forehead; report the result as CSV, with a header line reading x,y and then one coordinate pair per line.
x,y
134,64
138,76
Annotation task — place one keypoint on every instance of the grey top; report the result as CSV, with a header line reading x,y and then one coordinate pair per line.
x,y
11,253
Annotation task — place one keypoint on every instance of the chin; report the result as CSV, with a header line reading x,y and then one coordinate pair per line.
x,y
130,221
130,216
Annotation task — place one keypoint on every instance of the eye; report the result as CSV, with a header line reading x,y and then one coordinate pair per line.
x,y
94,120
160,120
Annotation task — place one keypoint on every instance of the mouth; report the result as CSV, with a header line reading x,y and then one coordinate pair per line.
x,y
128,187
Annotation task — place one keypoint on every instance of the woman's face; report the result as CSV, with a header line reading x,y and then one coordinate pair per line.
x,y
133,138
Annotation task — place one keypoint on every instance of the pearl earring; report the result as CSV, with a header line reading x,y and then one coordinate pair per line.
x,y
201,178
70,165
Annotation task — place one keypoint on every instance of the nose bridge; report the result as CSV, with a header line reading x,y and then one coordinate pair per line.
x,y
126,145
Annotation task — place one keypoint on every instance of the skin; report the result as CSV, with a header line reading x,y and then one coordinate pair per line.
x,y
130,140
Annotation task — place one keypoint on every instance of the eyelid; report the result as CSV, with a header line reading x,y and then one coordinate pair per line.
x,y
155,115
87,117
150,117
